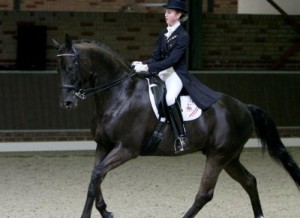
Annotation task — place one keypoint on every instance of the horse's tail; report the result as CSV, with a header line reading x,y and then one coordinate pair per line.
x,y
266,131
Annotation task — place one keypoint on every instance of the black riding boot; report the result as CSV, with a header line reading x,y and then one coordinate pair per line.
x,y
181,140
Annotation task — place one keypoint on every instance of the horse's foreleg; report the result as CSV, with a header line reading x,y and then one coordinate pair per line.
x,y
115,158
208,182
238,172
99,156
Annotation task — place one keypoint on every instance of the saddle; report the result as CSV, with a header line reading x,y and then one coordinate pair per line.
x,y
158,88
157,92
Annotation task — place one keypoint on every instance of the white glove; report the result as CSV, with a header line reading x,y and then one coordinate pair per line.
x,y
135,63
141,68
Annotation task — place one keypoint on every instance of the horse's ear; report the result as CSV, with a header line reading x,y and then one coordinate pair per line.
x,y
55,44
68,41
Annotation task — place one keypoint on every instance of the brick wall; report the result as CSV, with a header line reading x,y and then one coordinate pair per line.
x,y
234,42
89,5
6,5
228,6
221,6
248,42
124,32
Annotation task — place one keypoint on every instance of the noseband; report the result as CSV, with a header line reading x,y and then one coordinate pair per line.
x,y
78,89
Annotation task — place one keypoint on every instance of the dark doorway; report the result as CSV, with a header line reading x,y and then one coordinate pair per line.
x,y
31,50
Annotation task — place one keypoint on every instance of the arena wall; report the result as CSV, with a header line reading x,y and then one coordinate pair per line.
x,y
30,100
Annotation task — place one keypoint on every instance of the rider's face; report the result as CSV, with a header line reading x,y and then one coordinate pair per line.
x,y
172,16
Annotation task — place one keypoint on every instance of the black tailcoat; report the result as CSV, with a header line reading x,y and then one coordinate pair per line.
x,y
171,53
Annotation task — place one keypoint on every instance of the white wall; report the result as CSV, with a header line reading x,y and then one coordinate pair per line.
x,y
291,7
91,145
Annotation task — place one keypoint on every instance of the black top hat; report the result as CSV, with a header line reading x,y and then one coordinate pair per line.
x,y
176,4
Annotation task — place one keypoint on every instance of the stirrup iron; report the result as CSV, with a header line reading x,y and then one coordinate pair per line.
x,y
181,144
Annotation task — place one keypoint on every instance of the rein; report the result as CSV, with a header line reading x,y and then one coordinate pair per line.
x,y
84,93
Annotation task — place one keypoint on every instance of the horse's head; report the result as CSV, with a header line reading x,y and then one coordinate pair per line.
x,y
70,75
88,61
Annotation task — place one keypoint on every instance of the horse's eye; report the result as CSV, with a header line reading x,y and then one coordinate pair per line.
x,y
69,68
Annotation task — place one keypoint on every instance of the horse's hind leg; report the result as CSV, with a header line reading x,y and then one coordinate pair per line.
x,y
238,172
208,182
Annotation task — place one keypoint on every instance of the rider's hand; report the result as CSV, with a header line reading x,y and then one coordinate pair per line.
x,y
141,68
135,63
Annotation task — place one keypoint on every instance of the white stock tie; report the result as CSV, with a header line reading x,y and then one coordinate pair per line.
x,y
170,31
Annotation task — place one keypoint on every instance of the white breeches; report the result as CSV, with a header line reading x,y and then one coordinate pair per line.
x,y
173,85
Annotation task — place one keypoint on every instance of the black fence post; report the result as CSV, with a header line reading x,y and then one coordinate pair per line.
x,y
195,31
17,5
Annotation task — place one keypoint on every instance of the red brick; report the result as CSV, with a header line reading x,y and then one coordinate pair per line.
x,y
39,2
132,29
86,24
125,38
94,3
9,32
133,47
144,57
87,33
153,34
30,6
236,48
52,28
260,40
106,19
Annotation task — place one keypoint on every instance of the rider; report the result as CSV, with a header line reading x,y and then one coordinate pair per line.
x,y
168,61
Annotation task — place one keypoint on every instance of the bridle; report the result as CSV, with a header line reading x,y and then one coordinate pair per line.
x,y
78,85
78,89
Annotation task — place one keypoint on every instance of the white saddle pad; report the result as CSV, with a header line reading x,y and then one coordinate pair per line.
x,y
190,111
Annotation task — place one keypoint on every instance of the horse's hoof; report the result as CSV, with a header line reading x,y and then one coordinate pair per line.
x,y
107,214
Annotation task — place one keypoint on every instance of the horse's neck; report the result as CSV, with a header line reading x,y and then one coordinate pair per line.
x,y
116,96
112,69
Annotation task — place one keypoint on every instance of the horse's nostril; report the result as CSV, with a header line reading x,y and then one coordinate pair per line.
x,y
68,104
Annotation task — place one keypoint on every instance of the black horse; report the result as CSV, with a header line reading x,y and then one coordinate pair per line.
x,y
125,121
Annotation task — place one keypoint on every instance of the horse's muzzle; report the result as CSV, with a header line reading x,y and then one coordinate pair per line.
x,y
69,102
